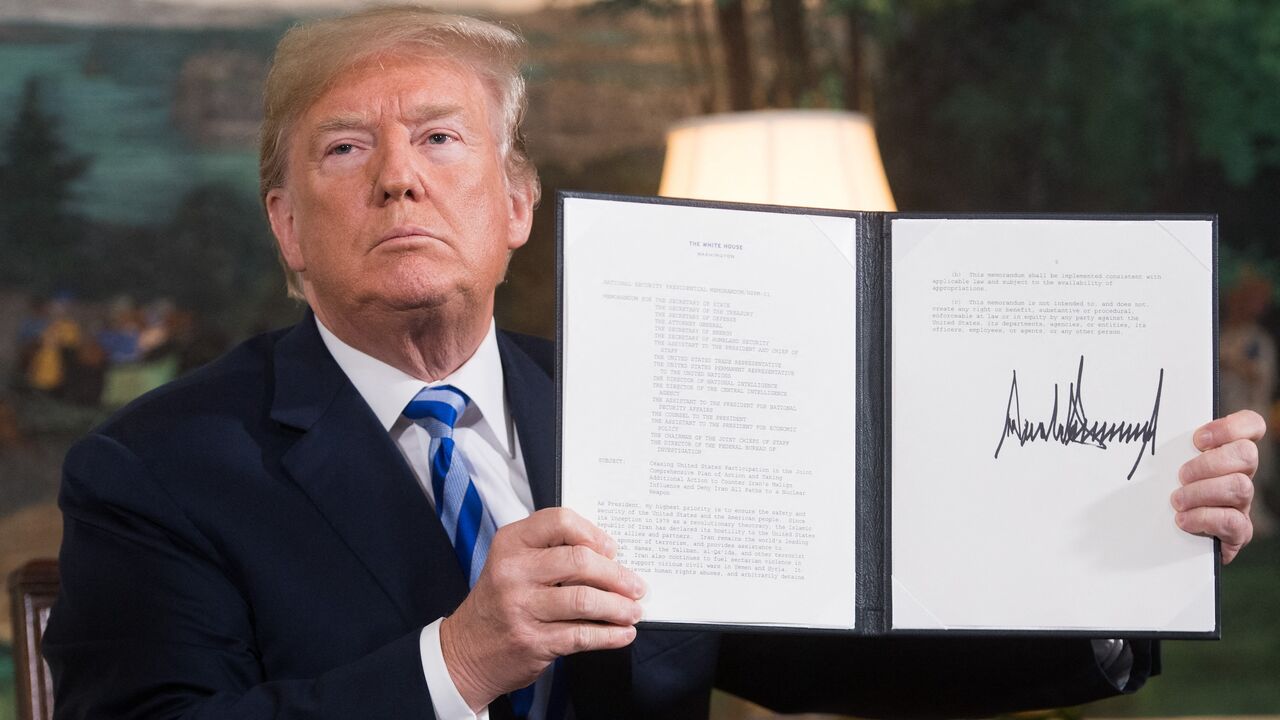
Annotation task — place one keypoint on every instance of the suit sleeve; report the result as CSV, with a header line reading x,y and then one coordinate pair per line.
x,y
149,623
920,677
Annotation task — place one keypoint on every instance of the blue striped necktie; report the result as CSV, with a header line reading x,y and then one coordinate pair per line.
x,y
458,505
469,525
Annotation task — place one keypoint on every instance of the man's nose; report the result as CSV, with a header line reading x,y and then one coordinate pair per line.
x,y
399,173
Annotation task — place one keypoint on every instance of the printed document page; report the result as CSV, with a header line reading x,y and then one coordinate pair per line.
x,y
1046,378
708,405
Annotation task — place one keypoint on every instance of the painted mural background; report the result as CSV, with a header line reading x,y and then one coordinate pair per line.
x,y
133,248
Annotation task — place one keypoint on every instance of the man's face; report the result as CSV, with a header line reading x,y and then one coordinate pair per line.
x,y
395,196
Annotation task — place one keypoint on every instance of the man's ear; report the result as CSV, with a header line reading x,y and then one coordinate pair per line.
x,y
280,214
520,213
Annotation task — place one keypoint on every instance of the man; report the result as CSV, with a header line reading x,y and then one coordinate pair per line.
x,y
285,533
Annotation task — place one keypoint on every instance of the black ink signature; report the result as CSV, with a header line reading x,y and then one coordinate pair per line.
x,y
1077,428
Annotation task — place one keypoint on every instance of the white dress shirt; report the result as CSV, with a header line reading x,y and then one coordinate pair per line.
x,y
487,439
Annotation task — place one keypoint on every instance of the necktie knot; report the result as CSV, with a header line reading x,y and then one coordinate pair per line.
x,y
437,409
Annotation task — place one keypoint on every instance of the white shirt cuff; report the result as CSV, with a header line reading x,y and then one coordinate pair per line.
x,y
1115,658
445,699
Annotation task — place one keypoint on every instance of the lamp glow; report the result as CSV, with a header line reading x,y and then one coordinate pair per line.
x,y
812,158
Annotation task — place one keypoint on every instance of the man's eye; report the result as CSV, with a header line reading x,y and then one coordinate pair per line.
x,y
437,138
341,149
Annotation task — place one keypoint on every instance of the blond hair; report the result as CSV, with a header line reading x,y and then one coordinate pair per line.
x,y
312,55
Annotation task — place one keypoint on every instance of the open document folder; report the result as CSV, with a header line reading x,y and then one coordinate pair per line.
x,y
890,423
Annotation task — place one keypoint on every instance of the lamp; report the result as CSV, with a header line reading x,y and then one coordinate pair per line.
x,y
813,158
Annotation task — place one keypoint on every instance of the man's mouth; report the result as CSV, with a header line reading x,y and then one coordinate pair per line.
x,y
407,232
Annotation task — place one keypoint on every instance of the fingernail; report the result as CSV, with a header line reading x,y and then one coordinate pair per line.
x,y
1176,499
1180,519
1203,438
638,588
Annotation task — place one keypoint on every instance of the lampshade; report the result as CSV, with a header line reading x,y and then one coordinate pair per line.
x,y
812,158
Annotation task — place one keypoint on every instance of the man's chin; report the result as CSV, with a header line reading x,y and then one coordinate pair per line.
x,y
426,299
394,297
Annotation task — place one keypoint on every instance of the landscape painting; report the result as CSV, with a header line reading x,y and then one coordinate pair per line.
x,y
134,248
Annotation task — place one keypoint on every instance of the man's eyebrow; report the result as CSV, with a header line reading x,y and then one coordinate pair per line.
x,y
429,111
339,123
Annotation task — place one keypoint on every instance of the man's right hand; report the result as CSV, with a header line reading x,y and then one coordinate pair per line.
x,y
550,587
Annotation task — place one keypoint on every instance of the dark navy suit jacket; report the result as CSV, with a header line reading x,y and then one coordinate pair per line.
x,y
247,542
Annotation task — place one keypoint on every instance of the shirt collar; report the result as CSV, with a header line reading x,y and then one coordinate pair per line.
x,y
388,390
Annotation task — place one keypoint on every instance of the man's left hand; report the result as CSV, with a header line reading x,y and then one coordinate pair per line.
x,y
1217,484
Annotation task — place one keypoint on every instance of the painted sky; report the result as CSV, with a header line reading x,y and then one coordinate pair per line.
x,y
512,6
198,13
293,5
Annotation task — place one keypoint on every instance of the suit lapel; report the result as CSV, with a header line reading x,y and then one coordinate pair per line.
x,y
347,465
531,395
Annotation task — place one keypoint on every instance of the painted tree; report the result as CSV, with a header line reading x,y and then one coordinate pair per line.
x,y
38,230
794,78
1130,105
735,41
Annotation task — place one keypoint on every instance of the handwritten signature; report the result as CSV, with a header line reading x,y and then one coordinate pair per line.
x,y
1077,428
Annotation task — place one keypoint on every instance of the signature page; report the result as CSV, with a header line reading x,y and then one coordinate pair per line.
x,y
1047,376
708,405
